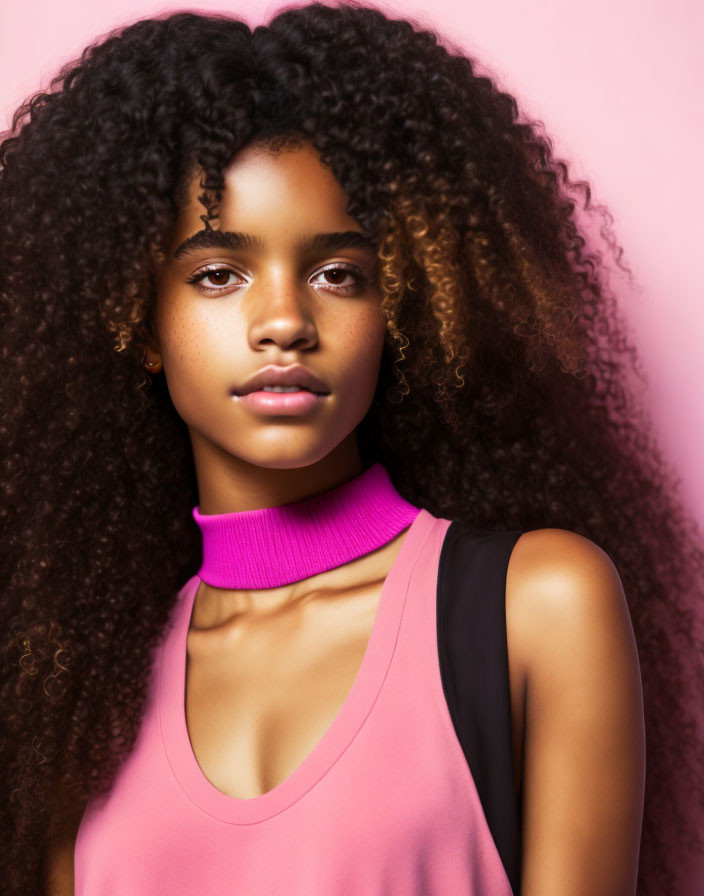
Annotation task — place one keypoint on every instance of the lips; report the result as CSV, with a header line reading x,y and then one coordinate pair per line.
x,y
282,404
293,375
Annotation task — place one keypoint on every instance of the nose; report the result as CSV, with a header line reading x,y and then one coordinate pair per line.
x,y
282,313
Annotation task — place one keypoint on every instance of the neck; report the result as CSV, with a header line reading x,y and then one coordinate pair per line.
x,y
275,546
227,484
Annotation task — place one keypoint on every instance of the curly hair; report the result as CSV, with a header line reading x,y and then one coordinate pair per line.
x,y
506,396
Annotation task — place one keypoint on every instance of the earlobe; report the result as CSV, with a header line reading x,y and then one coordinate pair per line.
x,y
152,358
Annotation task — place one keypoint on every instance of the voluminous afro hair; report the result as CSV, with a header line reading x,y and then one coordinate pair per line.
x,y
505,397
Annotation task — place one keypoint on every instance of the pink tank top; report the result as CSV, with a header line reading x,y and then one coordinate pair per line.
x,y
384,805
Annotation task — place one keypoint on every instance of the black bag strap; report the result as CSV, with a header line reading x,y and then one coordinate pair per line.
x,y
473,658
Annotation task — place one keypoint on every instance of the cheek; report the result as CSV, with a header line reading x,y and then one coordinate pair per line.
x,y
185,337
362,345
188,355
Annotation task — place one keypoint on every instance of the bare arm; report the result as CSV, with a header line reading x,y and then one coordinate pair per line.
x,y
584,761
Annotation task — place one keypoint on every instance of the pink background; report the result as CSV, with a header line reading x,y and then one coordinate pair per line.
x,y
618,86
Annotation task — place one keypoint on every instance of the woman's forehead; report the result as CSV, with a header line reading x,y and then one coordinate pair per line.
x,y
264,188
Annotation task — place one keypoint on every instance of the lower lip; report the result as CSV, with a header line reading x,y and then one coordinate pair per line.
x,y
281,402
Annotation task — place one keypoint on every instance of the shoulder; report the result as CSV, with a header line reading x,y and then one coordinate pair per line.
x,y
546,558
561,588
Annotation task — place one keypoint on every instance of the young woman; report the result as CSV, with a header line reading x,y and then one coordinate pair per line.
x,y
372,636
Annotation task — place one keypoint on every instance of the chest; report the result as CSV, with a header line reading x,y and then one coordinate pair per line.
x,y
260,697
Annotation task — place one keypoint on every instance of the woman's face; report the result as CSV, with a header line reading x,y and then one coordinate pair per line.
x,y
288,277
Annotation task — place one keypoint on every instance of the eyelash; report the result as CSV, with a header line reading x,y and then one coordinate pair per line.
x,y
360,279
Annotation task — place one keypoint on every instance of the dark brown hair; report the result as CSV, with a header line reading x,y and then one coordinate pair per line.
x,y
506,395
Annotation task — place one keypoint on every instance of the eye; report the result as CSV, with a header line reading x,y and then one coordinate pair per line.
x,y
214,279
342,278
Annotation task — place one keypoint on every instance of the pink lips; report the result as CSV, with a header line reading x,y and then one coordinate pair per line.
x,y
287,403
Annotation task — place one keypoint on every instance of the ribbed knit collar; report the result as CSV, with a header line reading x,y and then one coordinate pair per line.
x,y
283,544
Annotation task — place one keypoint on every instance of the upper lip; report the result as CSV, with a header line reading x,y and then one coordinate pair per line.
x,y
294,375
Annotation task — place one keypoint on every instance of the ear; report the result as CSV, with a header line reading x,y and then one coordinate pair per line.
x,y
152,355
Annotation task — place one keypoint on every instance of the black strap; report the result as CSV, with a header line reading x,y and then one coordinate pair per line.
x,y
473,657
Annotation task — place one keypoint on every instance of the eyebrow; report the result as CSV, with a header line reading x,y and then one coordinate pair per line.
x,y
317,242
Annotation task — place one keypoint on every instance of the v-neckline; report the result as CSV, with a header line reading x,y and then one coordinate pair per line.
x,y
336,738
